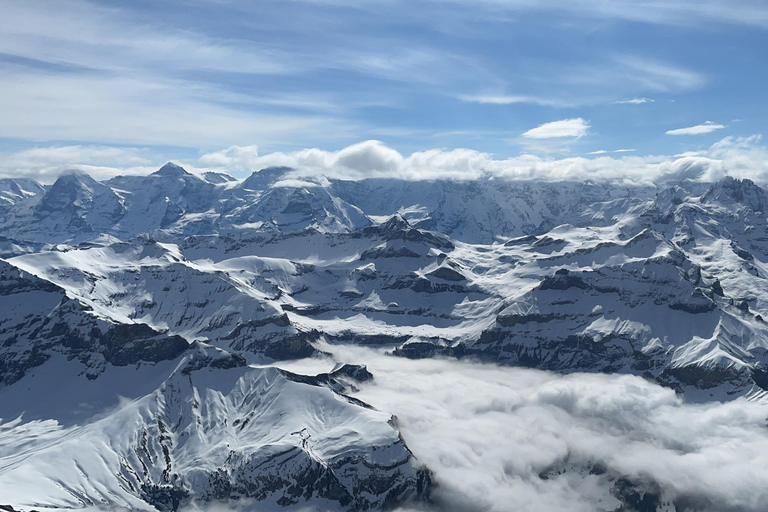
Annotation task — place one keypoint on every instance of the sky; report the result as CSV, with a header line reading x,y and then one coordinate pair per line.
x,y
125,86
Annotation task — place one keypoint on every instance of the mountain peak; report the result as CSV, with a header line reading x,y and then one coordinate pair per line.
x,y
395,223
262,179
218,178
71,181
745,191
71,175
171,170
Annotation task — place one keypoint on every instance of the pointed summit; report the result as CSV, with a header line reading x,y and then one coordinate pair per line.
x,y
171,170
395,223
746,192
262,179
72,188
395,227
76,203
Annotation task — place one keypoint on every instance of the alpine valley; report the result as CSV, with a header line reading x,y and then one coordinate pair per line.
x,y
150,325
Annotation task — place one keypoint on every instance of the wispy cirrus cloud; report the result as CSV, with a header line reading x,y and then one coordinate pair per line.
x,y
489,99
566,128
646,74
605,151
699,129
594,82
85,71
634,101
671,12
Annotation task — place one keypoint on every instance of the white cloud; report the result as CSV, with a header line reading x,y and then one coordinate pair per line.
x,y
235,157
577,127
488,433
490,99
654,75
80,71
699,129
737,157
669,12
605,152
46,163
740,158
635,101
123,110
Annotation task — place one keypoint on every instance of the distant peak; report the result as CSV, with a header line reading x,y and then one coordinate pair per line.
x,y
73,176
218,177
745,191
172,170
397,222
262,179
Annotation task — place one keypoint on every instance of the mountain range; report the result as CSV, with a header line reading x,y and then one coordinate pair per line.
x,y
143,320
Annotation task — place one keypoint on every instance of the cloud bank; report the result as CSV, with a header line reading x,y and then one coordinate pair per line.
x,y
489,433
739,157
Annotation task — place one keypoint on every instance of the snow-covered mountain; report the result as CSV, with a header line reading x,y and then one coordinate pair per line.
x,y
217,430
39,322
200,286
13,191
174,203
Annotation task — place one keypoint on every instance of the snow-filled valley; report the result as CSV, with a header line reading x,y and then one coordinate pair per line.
x,y
174,341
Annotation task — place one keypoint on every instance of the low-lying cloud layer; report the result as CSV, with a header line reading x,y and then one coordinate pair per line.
x,y
744,157
737,157
490,433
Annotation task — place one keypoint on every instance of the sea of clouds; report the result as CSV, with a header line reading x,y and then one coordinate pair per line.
x,y
490,433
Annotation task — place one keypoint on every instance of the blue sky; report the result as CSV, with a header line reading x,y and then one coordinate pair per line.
x,y
148,81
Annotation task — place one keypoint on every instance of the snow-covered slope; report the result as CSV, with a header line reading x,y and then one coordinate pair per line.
x,y
485,211
14,191
39,322
151,283
216,430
